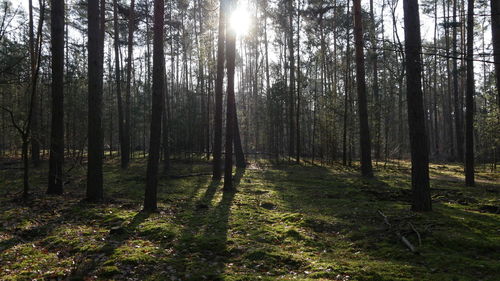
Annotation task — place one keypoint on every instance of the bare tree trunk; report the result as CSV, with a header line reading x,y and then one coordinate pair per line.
x,y
238,148
456,103
56,159
230,126
126,127
150,198
218,95
469,99
299,85
95,71
35,144
118,82
346,94
495,33
291,54
416,116
376,94
364,130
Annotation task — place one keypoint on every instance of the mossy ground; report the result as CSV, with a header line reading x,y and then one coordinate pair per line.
x,y
287,222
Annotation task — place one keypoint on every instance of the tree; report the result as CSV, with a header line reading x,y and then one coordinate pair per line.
x,y
456,102
230,110
56,159
150,201
364,130
469,99
416,119
218,94
126,128
124,155
495,34
291,59
95,84
24,128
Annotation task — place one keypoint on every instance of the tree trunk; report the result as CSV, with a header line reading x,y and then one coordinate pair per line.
x,y
118,84
291,54
495,33
364,130
238,148
150,201
416,118
35,144
376,94
230,126
218,94
469,99
95,71
456,103
126,127
346,94
56,159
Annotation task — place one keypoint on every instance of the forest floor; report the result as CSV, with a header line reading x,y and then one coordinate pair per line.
x,y
286,222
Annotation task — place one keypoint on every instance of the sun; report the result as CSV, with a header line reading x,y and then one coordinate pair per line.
x,y
240,20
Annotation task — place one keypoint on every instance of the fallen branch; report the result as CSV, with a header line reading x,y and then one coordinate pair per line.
x,y
400,236
418,234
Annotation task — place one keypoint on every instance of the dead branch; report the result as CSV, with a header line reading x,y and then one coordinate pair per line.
x,y
398,233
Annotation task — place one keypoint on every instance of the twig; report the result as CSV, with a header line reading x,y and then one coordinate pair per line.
x,y
403,239
418,234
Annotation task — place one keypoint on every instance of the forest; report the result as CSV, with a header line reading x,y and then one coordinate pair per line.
x,y
249,140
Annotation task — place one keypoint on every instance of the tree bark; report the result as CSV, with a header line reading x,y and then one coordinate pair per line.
x,y
364,130
230,126
218,95
150,200
118,83
56,159
456,103
495,33
416,118
291,116
126,128
95,71
469,99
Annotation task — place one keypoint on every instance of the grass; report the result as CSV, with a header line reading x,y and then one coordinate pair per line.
x,y
284,222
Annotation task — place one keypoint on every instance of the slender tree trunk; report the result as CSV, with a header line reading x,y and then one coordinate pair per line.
x,y
35,143
364,130
165,131
469,99
346,94
216,169
230,126
299,85
95,71
291,54
150,198
56,159
456,103
416,116
126,127
495,33
376,94
238,148
118,81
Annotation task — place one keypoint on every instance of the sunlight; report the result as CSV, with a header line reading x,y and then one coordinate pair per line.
x,y
240,20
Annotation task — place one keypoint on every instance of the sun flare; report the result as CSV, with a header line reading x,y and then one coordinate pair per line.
x,y
240,20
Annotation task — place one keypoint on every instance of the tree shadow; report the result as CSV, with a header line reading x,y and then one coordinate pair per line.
x,y
202,246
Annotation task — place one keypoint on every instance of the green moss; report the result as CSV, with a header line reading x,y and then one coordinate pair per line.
x,y
297,222
134,252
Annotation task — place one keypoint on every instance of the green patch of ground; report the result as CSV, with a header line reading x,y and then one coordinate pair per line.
x,y
296,222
